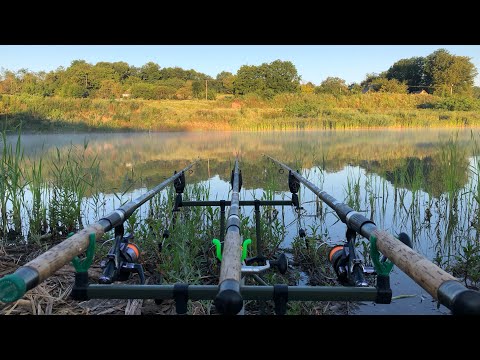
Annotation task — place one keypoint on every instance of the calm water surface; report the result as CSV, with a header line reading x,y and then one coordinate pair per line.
x,y
362,168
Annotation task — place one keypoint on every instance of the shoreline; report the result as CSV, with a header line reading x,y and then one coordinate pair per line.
x,y
26,131
36,115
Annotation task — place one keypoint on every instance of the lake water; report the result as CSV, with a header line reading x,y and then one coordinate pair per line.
x,y
395,177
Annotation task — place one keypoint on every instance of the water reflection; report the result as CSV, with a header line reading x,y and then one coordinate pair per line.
x,y
413,181
153,156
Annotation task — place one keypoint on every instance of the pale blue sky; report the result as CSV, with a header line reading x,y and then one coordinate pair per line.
x,y
314,62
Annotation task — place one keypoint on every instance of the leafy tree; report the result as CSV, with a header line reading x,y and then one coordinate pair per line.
x,y
150,72
267,79
446,73
390,86
165,92
197,89
281,76
332,85
42,87
145,91
179,73
75,82
476,92
450,74
212,94
52,82
226,79
250,79
109,89
369,79
307,88
78,72
382,84
412,72
30,84
355,88
9,83
185,92
227,84
131,80
175,83
379,83
122,70
73,90
105,71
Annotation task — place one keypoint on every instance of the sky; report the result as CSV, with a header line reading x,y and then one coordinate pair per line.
x,y
313,62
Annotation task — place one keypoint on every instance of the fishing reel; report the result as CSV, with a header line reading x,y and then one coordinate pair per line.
x,y
347,264
348,267
339,257
122,260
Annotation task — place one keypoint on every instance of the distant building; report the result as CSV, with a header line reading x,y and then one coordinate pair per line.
x,y
368,88
419,92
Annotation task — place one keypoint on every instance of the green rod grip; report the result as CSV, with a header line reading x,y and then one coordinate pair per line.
x,y
12,287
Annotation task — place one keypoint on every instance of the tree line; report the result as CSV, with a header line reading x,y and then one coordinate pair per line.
x,y
439,73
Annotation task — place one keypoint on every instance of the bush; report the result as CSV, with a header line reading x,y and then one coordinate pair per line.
x,y
145,91
212,95
165,92
253,100
457,104
73,90
303,109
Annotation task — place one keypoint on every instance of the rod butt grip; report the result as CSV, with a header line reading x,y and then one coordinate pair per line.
x,y
459,299
229,301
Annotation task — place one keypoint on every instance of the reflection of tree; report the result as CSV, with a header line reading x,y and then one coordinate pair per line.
x,y
152,157
422,174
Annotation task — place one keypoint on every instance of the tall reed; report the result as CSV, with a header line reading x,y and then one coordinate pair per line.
x,y
73,173
37,211
12,188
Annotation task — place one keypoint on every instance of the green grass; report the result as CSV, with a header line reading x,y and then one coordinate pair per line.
x,y
284,112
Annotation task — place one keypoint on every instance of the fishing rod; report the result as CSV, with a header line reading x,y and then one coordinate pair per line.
x,y
123,259
229,300
229,294
436,281
120,260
